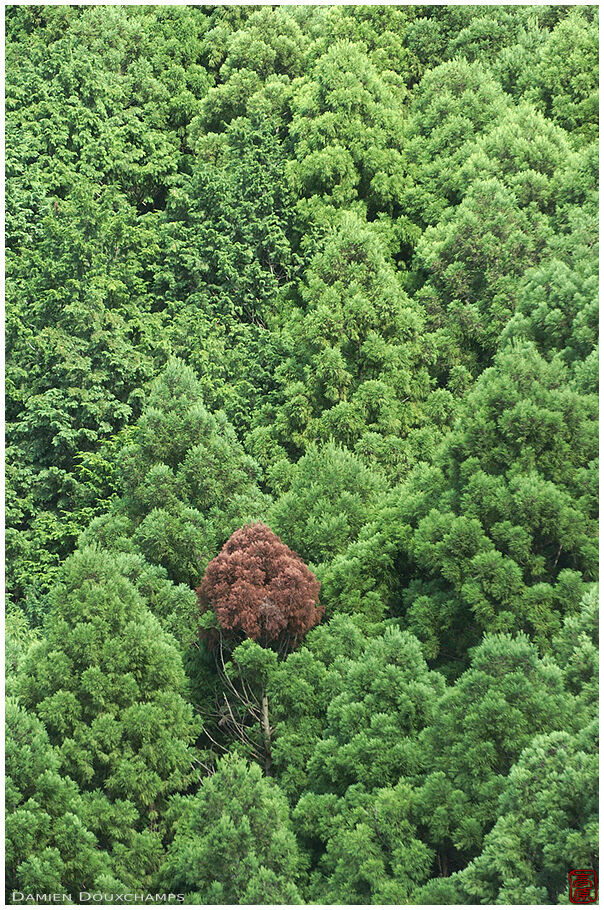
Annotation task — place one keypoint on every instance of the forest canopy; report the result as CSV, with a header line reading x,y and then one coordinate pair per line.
x,y
301,437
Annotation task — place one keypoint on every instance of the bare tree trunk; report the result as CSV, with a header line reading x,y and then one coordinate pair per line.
x,y
257,708
443,864
266,732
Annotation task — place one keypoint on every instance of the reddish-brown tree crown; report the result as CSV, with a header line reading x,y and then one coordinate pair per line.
x,y
261,589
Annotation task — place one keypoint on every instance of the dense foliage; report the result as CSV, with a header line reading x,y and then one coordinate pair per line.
x,y
301,315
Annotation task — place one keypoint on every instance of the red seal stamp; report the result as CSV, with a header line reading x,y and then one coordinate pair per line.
x,y
583,886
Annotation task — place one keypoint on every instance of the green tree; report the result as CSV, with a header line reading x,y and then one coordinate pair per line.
x,y
109,686
474,257
233,843
577,653
453,103
186,482
386,697
557,300
354,367
499,535
328,499
374,697
97,105
565,81
524,151
374,853
49,847
480,727
300,691
548,825
346,121
79,354
18,638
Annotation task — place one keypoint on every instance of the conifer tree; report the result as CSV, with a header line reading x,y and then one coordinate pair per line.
x,y
109,686
49,848
234,843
